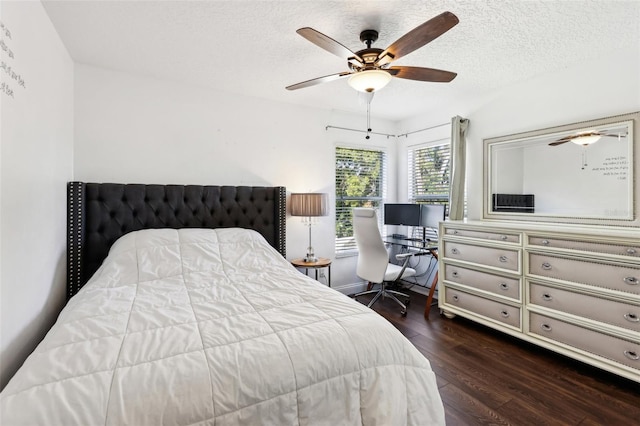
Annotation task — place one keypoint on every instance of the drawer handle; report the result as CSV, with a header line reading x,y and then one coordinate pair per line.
x,y
455,274
455,232
546,266
455,251
545,242
504,238
631,251
504,314
547,297
545,327
504,286
503,258
631,317
631,280
455,297
632,355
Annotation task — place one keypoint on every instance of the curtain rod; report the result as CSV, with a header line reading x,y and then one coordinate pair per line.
x,y
388,135
422,130
361,131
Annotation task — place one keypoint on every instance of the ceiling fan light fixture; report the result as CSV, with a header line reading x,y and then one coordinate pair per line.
x,y
369,80
586,139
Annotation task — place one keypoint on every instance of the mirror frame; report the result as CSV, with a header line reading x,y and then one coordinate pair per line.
x,y
634,172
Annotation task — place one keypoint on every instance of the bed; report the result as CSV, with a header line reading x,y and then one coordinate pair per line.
x,y
183,310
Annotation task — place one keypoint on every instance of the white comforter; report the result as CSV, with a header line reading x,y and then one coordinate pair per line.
x,y
214,327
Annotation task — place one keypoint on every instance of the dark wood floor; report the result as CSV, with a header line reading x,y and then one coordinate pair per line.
x,y
487,377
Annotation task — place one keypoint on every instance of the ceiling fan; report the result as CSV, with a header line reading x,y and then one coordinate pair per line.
x,y
586,138
370,69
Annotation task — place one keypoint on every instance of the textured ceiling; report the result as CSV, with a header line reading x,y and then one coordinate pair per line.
x,y
251,47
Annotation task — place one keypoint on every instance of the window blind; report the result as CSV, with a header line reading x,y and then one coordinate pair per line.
x,y
360,182
429,170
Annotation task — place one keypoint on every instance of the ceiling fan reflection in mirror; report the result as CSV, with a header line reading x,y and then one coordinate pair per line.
x,y
587,137
370,69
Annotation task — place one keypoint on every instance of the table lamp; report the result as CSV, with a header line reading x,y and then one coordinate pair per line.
x,y
309,205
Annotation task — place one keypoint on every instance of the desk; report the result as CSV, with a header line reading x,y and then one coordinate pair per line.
x,y
320,263
423,248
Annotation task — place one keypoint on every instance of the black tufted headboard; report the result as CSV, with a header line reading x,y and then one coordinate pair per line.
x,y
100,213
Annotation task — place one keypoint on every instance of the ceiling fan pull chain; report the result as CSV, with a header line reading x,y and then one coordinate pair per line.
x,y
368,119
584,157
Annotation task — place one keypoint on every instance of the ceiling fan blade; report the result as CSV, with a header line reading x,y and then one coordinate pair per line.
x,y
418,37
423,74
327,43
319,80
560,142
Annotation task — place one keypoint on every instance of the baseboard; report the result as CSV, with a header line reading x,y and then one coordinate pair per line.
x,y
351,288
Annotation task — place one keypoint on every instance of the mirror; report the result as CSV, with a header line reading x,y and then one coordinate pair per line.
x,y
581,173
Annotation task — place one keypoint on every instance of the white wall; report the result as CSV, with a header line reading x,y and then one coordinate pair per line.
x,y
36,162
132,129
595,88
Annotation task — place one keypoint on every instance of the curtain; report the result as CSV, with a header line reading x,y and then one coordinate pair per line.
x,y
459,127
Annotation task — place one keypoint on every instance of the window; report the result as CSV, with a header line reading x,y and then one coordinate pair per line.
x,y
360,182
429,169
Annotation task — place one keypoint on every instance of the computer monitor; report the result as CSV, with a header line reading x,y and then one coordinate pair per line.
x,y
431,215
427,215
402,214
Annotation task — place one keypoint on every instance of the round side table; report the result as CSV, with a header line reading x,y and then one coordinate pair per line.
x,y
322,262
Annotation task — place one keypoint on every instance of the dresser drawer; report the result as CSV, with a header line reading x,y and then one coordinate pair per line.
x,y
588,246
497,311
489,256
508,287
484,235
613,348
598,274
608,311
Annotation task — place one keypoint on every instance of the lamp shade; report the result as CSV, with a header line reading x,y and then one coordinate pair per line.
x,y
369,80
309,204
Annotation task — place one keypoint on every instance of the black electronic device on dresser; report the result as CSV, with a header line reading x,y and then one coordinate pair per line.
x,y
514,203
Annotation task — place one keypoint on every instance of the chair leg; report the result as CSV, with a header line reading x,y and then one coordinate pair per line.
x,y
369,290
365,292
375,298
404,308
384,292
398,293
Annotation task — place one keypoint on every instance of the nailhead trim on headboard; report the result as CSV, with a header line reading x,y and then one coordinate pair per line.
x,y
281,214
75,231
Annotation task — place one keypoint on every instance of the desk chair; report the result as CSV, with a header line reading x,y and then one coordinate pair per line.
x,y
373,259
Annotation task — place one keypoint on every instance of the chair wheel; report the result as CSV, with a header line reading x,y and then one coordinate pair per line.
x,y
403,313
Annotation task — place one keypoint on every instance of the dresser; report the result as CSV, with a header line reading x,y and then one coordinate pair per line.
x,y
571,289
